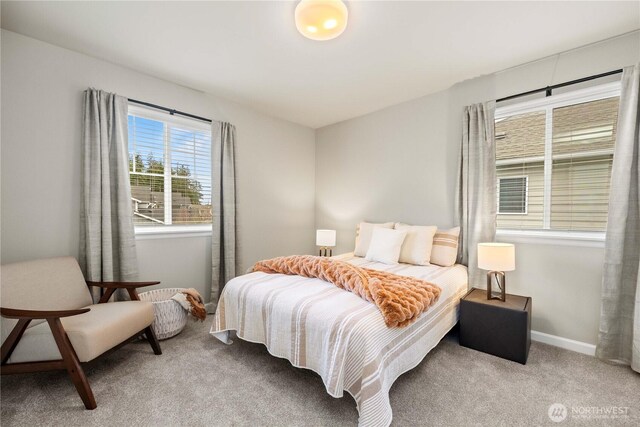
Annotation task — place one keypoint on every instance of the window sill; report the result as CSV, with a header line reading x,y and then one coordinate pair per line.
x,y
561,238
172,232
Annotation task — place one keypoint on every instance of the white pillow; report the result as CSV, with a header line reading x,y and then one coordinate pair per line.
x,y
363,236
416,248
385,245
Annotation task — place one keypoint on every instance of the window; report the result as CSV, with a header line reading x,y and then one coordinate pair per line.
x,y
169,169
512,195
554,158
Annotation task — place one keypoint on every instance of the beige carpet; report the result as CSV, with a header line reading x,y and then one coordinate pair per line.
x,y
199,381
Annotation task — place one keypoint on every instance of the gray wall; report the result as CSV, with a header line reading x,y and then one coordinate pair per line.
x,y
41,130
400,164
395,164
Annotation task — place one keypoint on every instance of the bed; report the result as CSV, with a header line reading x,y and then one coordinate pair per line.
x,y
318,326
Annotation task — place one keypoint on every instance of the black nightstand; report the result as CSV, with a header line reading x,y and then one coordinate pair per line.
x,y
496,327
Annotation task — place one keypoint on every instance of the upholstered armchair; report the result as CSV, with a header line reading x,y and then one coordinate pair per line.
x,y
49,320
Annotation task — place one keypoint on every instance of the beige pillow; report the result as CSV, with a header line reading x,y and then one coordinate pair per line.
x,y
445,247
363,236
416,248
385,245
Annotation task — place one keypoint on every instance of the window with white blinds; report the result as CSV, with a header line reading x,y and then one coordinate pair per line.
x,y
169,168
554,158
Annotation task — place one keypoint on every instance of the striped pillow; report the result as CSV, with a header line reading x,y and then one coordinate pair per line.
x,y
445,247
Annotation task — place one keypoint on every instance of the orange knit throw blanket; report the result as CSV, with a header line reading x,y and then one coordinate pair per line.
x,y
400,299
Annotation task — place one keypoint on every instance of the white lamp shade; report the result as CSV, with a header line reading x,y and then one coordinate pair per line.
x,y
496,256
326,238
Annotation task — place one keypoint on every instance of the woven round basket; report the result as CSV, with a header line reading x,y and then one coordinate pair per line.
x,y
171,318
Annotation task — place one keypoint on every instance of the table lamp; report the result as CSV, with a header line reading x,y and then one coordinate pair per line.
x,y
497,258
326,239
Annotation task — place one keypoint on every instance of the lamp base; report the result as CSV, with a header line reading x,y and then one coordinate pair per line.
x,y
502,284
325,251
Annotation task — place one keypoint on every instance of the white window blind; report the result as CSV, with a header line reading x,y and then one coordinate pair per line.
x,y
169,168
563,145
583,142
520,146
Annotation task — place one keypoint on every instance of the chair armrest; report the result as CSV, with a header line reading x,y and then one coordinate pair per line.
x,y
110,288
16,313
121,285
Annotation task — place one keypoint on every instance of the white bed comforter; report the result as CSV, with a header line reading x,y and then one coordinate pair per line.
x,y
317,326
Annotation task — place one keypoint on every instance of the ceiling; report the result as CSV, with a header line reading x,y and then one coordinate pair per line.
x,y
251,52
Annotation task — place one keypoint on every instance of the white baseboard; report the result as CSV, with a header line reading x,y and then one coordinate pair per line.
x,y
566,343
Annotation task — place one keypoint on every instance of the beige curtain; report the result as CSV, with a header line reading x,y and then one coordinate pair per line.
x,y
223,238
619,336
476,200
107,240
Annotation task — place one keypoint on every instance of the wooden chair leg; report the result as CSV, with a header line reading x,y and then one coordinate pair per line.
x,y
72,363
151,337
12,340
148,332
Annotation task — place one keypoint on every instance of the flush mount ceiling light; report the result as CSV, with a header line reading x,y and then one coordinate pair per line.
x,y
321,19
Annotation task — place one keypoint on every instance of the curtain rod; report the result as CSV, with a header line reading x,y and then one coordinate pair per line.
x,y
548,89
170,110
